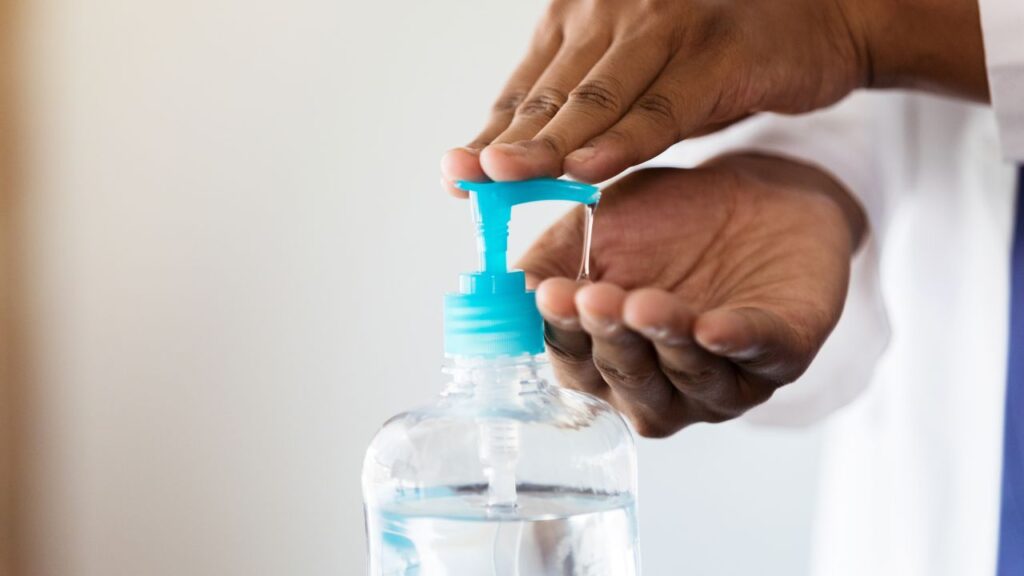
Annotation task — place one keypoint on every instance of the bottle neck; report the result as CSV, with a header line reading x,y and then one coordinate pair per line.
x,y
494,378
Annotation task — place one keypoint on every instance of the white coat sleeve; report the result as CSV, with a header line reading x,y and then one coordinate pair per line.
x,y
1002,27
850,141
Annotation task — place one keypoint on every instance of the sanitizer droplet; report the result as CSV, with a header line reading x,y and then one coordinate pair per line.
x,y
588,233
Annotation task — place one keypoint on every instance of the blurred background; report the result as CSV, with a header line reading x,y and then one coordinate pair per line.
x,y
223,248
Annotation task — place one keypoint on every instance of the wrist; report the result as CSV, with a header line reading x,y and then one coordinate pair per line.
x,y
932,45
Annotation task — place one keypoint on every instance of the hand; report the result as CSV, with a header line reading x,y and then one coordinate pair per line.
x,y
713,287
608,84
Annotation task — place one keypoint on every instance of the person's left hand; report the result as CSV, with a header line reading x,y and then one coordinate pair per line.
x,y
713,287
609,84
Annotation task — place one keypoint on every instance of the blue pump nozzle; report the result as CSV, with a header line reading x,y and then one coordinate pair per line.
x,y
493,314
492,206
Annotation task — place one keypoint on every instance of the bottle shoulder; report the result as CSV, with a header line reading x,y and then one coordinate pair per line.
x,y
555,421
550,406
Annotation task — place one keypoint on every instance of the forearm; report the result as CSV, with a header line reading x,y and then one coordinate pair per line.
x,y
933,45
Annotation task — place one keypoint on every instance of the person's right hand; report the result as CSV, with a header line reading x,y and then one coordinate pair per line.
x,y
712,287
608,84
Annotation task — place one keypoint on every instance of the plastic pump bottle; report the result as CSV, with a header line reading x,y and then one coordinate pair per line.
x,y
505,474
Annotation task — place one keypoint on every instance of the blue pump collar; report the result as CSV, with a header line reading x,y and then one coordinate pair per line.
x,y
493,314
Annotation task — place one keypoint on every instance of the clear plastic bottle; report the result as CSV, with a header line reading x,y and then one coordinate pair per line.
x,y
505,474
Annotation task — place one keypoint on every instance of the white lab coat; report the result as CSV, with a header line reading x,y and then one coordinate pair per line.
x,y
913,378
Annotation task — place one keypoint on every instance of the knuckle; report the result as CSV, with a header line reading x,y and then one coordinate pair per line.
x,y
620,376
544,104
706,385
657,107
508,102
704,382
599,93
552,142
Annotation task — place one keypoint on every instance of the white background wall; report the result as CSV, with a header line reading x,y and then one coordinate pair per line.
x,y
237,249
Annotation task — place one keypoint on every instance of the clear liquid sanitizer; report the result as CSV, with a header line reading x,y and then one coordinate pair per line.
x,y
505,474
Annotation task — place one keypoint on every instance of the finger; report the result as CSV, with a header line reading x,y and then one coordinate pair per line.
x,y
551,90
544,48
460,164
709,380
464,163
758,340
556,300
677,104
568,345
542,103
626,360
594,105
450,187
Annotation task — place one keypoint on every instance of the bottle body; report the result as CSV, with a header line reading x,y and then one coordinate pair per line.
x,y
503,475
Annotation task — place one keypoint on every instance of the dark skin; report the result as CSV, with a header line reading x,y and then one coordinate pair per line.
x,y
701,313
714,286
608,84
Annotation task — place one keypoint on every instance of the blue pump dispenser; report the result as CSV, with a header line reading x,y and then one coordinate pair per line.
x,y
493,314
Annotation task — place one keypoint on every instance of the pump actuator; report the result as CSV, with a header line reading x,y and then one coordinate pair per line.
x,y
493,314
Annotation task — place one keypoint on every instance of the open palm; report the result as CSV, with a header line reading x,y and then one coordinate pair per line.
x,y
711,287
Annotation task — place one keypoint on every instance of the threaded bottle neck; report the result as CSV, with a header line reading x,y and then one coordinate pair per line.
x,y
494,378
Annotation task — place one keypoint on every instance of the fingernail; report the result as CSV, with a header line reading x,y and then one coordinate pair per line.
x,y
716,347
605,326
565,322
515,149
583,155
451,188
663,335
